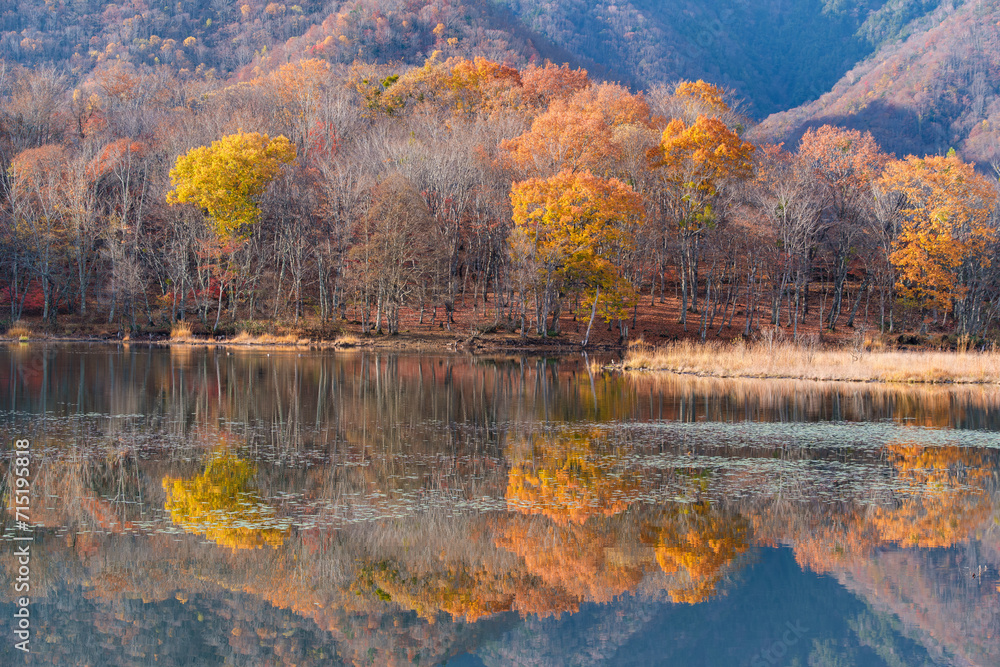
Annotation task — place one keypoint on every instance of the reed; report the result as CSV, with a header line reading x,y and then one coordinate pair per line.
x,y
347,340
19,331
181,332
244,338
770,358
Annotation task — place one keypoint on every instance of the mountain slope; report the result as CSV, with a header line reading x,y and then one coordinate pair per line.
x,y
938,89
81,35
775,53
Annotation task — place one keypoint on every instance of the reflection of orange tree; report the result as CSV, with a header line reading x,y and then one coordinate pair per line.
x,y
825,536
569,478
458,590
698,543
939,501
582,485
223,503
945,506
596,560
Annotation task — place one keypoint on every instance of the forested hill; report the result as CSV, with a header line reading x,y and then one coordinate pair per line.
x,y
233,37
938,89
775,53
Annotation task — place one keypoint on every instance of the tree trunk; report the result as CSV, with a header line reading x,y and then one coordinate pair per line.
x,y
593,313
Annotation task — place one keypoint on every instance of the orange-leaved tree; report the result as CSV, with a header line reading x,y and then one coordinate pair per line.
x,y
574,230
694,163
945,239
845,164
701,97
459,84
579,132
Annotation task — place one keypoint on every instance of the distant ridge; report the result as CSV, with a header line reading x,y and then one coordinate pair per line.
x,y
938,89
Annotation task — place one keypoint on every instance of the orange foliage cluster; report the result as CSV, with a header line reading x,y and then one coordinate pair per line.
x,y
950,503
568,479
700,542
947,226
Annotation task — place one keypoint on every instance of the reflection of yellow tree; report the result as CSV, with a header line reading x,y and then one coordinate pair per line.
x,y
223,503
698,542
942,508
568,478
589,561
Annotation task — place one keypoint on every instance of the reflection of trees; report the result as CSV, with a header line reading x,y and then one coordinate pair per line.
x,y
936,497
460,591
592,561
569,477
557,565
573,533
690,398
590,549
701,542
223,503
946,502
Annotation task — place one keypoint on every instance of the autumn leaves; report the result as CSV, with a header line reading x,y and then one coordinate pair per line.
x,y
945,236
551,192
577,229
226,178
572,229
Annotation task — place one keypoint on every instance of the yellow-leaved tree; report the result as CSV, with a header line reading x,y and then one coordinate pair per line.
x,y
575,231
228,178
693,162
945,238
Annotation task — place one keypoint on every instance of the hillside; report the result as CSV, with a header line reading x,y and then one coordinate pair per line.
x,y
228,37
938,89
775,54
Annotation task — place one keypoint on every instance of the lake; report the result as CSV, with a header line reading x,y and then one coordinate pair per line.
x,y
209,506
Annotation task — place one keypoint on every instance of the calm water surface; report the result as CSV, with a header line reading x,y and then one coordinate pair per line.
x,y
236,507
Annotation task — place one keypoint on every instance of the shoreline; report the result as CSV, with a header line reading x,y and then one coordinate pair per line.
x,y
472,345
635,360
683,358
619,368
788,361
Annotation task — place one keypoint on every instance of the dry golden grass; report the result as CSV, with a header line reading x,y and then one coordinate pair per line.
x,y
180,332
347,340
243,338
776,359
19,330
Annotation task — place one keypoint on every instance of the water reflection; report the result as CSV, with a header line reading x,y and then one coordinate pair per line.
x,y
207,506
223,503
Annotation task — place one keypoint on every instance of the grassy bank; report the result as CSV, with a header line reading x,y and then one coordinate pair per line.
x,y
771,359
289,338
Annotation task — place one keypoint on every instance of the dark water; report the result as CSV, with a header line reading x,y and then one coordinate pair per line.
x,y
213,507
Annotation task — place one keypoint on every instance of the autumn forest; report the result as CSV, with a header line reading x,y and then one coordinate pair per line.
x,y
322,196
